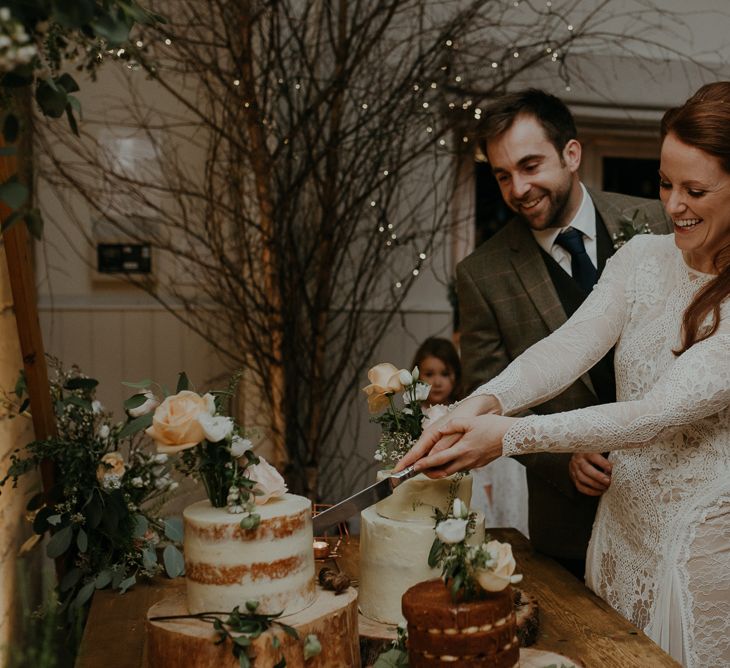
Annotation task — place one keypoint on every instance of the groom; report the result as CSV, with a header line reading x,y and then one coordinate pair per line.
x,y
524,282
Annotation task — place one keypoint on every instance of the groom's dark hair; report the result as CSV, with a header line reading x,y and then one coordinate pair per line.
x,y
549,111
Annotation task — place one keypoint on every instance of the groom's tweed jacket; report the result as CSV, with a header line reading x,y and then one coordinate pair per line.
x,y
507,302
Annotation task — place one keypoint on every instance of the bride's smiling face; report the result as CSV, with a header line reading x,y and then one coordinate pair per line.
x,y
695,191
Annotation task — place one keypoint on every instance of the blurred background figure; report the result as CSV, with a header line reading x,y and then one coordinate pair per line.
x,y
439,366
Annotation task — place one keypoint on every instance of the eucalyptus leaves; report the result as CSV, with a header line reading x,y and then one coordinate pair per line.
x,y
103,512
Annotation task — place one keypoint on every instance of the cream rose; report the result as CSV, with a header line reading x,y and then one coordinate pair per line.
x,y
500,569
151,402
451,531
112,465
384,380
175,424
269,482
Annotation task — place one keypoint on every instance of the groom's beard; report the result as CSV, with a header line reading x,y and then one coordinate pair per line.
x,y
552,213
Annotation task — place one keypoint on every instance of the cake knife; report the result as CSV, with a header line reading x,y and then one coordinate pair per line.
x,y
357,502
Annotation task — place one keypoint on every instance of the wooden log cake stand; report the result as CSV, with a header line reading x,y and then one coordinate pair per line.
x,y
191,642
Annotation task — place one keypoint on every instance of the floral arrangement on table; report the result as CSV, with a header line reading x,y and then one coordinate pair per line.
x,y
213,449
103,513
469,570
401,426
638,223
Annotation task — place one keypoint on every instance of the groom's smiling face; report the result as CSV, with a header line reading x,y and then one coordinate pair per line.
x,y
537,182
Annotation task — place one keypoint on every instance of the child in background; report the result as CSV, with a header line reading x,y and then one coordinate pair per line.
x,y
439,366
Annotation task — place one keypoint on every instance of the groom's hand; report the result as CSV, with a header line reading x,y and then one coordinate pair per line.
x,y
590,473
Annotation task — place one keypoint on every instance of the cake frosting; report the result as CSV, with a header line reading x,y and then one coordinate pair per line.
x,y
394,549
442,632
225,565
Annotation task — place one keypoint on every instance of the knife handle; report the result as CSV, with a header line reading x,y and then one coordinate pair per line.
x,y
402,476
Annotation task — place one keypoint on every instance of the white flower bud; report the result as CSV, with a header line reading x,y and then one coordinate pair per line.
x,y
451,531
405,377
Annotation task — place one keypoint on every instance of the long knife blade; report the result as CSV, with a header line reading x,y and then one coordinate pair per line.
x,y
357,502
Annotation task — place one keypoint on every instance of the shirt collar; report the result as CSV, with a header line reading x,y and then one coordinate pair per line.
x,y
584,221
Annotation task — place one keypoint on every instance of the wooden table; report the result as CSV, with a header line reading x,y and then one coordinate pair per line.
x,y
573,621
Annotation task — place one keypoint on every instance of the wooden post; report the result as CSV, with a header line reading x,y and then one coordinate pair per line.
x,y
22,286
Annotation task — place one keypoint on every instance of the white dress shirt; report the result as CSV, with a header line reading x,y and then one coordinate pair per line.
x,y
585,222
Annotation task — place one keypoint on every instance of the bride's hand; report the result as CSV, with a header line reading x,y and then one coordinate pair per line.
x,y
434,439
459,445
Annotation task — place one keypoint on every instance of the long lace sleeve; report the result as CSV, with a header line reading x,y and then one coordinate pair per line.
x,y
695,386
547,368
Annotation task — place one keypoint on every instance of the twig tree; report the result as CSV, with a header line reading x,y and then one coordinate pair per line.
x,y
303,164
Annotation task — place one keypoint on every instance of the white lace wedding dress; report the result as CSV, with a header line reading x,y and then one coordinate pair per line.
x,y
660,549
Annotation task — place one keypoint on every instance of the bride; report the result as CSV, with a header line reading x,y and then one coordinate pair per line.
x,y
660,548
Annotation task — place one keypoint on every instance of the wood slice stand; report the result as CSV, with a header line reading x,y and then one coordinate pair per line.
x,y
190,642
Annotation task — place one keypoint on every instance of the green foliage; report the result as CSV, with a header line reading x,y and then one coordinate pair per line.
x,y
397,655
101,513
41,39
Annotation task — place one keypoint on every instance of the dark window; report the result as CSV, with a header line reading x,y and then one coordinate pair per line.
x,y
631,176
491,211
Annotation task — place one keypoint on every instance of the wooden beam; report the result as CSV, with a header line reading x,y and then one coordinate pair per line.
x,y
22,285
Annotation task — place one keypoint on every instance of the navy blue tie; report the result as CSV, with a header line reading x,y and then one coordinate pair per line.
x,y
583,270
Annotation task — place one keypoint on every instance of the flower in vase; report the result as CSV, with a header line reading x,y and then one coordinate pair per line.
x,y
215,428
175,424
151,402
420,393
110,470
269,482
240,446
433,413
384,381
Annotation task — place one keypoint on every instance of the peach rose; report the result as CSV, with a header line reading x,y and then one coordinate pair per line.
x,y
384,380
501,567
175,425
269,482
112,464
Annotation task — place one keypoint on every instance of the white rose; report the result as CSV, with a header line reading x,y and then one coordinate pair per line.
x,y
419,393
451,531
151,402
433,413
239,446
500,572
96,407
405,377
460,509
215,428
210,402
269,482
104,431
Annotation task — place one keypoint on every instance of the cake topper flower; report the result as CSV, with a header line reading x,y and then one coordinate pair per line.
x,y
469,570
401,425
211,447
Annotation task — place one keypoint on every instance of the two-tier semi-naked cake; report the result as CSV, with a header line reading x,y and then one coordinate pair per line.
x,y
225,565
396,536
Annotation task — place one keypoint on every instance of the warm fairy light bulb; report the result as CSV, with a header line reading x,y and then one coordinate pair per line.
x,y
425,105
236,82
390,226
372,202
364,105
442,142
415,272
398,284
495,66
516,54
457,78
139,43
449,42
570,27
385,172
168,41
429,129
423,255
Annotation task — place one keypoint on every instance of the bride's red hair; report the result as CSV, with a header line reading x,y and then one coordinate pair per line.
x,y
703,121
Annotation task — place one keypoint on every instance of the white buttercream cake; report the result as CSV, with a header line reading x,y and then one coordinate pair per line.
x,y
225,565
395,539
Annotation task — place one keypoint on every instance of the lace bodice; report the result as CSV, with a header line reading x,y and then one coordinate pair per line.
x,y
668,506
